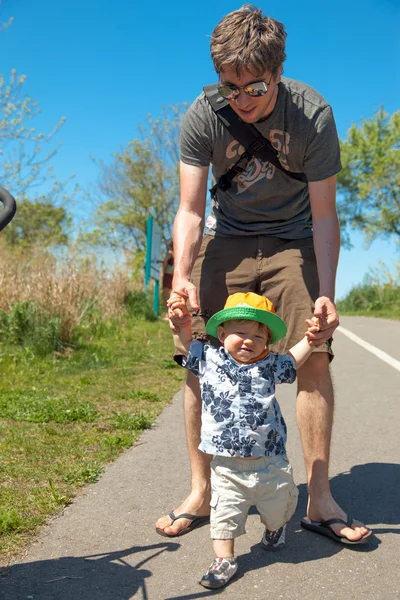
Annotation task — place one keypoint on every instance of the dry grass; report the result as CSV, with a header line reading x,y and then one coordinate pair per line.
x,y
68,288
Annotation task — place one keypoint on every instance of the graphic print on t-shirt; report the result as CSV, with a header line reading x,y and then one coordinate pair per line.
x,y
255,169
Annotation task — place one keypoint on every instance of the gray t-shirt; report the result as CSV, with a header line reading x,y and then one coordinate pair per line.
x,y
263,200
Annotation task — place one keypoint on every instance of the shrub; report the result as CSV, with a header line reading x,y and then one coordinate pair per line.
x,y
361,297
28,325
379,291
138,306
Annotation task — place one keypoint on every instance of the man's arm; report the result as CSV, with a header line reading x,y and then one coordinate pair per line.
x,y
326,234
188,228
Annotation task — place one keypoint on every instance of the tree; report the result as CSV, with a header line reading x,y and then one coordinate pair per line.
x,y
142,180
4,25
369,183
38,224
23,164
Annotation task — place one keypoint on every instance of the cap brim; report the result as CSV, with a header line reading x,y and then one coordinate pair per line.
x,y
274,323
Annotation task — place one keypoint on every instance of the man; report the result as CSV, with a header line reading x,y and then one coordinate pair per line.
x,y
268,233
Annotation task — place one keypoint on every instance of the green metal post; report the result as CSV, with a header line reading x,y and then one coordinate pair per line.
x,y
156,296
149,233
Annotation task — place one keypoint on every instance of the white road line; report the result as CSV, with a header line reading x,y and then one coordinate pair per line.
x,y
379,353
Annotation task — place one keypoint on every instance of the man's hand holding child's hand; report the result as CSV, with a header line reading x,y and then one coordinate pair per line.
x,y
313,328
178,313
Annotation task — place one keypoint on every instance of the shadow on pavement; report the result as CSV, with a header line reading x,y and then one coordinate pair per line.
x,y
106,576
369,492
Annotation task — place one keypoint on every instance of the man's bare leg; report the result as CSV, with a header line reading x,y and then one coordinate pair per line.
x,y
198,501
315,402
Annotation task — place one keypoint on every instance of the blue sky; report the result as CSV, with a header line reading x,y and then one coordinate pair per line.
x,y
91,61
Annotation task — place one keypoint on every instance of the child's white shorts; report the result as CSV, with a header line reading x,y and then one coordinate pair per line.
x,y
237,484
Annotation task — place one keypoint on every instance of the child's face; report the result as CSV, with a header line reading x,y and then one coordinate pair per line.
x,y
244,340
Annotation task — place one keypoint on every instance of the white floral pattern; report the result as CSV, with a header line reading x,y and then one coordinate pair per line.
x,y
240,414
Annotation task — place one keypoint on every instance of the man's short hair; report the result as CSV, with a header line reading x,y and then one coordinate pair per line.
x,y
245,39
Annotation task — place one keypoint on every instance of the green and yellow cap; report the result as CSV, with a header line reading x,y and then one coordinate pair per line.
x,y
252,307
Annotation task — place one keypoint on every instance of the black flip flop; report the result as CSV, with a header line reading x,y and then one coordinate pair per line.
x,y
324,528
196,522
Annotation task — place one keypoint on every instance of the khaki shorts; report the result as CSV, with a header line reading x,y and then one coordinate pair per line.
x,y
284,271
237,484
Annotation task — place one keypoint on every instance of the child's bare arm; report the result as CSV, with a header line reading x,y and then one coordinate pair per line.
x,y
179,316
302,350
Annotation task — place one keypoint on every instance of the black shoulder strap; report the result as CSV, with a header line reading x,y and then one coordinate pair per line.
x,y
246,134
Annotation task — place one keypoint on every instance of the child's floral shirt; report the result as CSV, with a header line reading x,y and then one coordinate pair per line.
x,y
240,414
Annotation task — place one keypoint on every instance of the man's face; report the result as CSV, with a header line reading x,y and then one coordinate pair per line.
x,y
251,109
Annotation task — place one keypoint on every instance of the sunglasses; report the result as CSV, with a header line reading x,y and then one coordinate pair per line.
x,y
256,89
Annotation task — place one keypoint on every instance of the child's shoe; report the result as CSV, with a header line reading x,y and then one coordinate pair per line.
x,y
274,540
219,573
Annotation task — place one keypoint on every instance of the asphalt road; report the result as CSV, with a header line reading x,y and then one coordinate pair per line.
x,y
104,546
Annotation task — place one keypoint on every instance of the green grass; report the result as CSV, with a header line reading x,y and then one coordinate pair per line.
x,y
36,406
64,417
